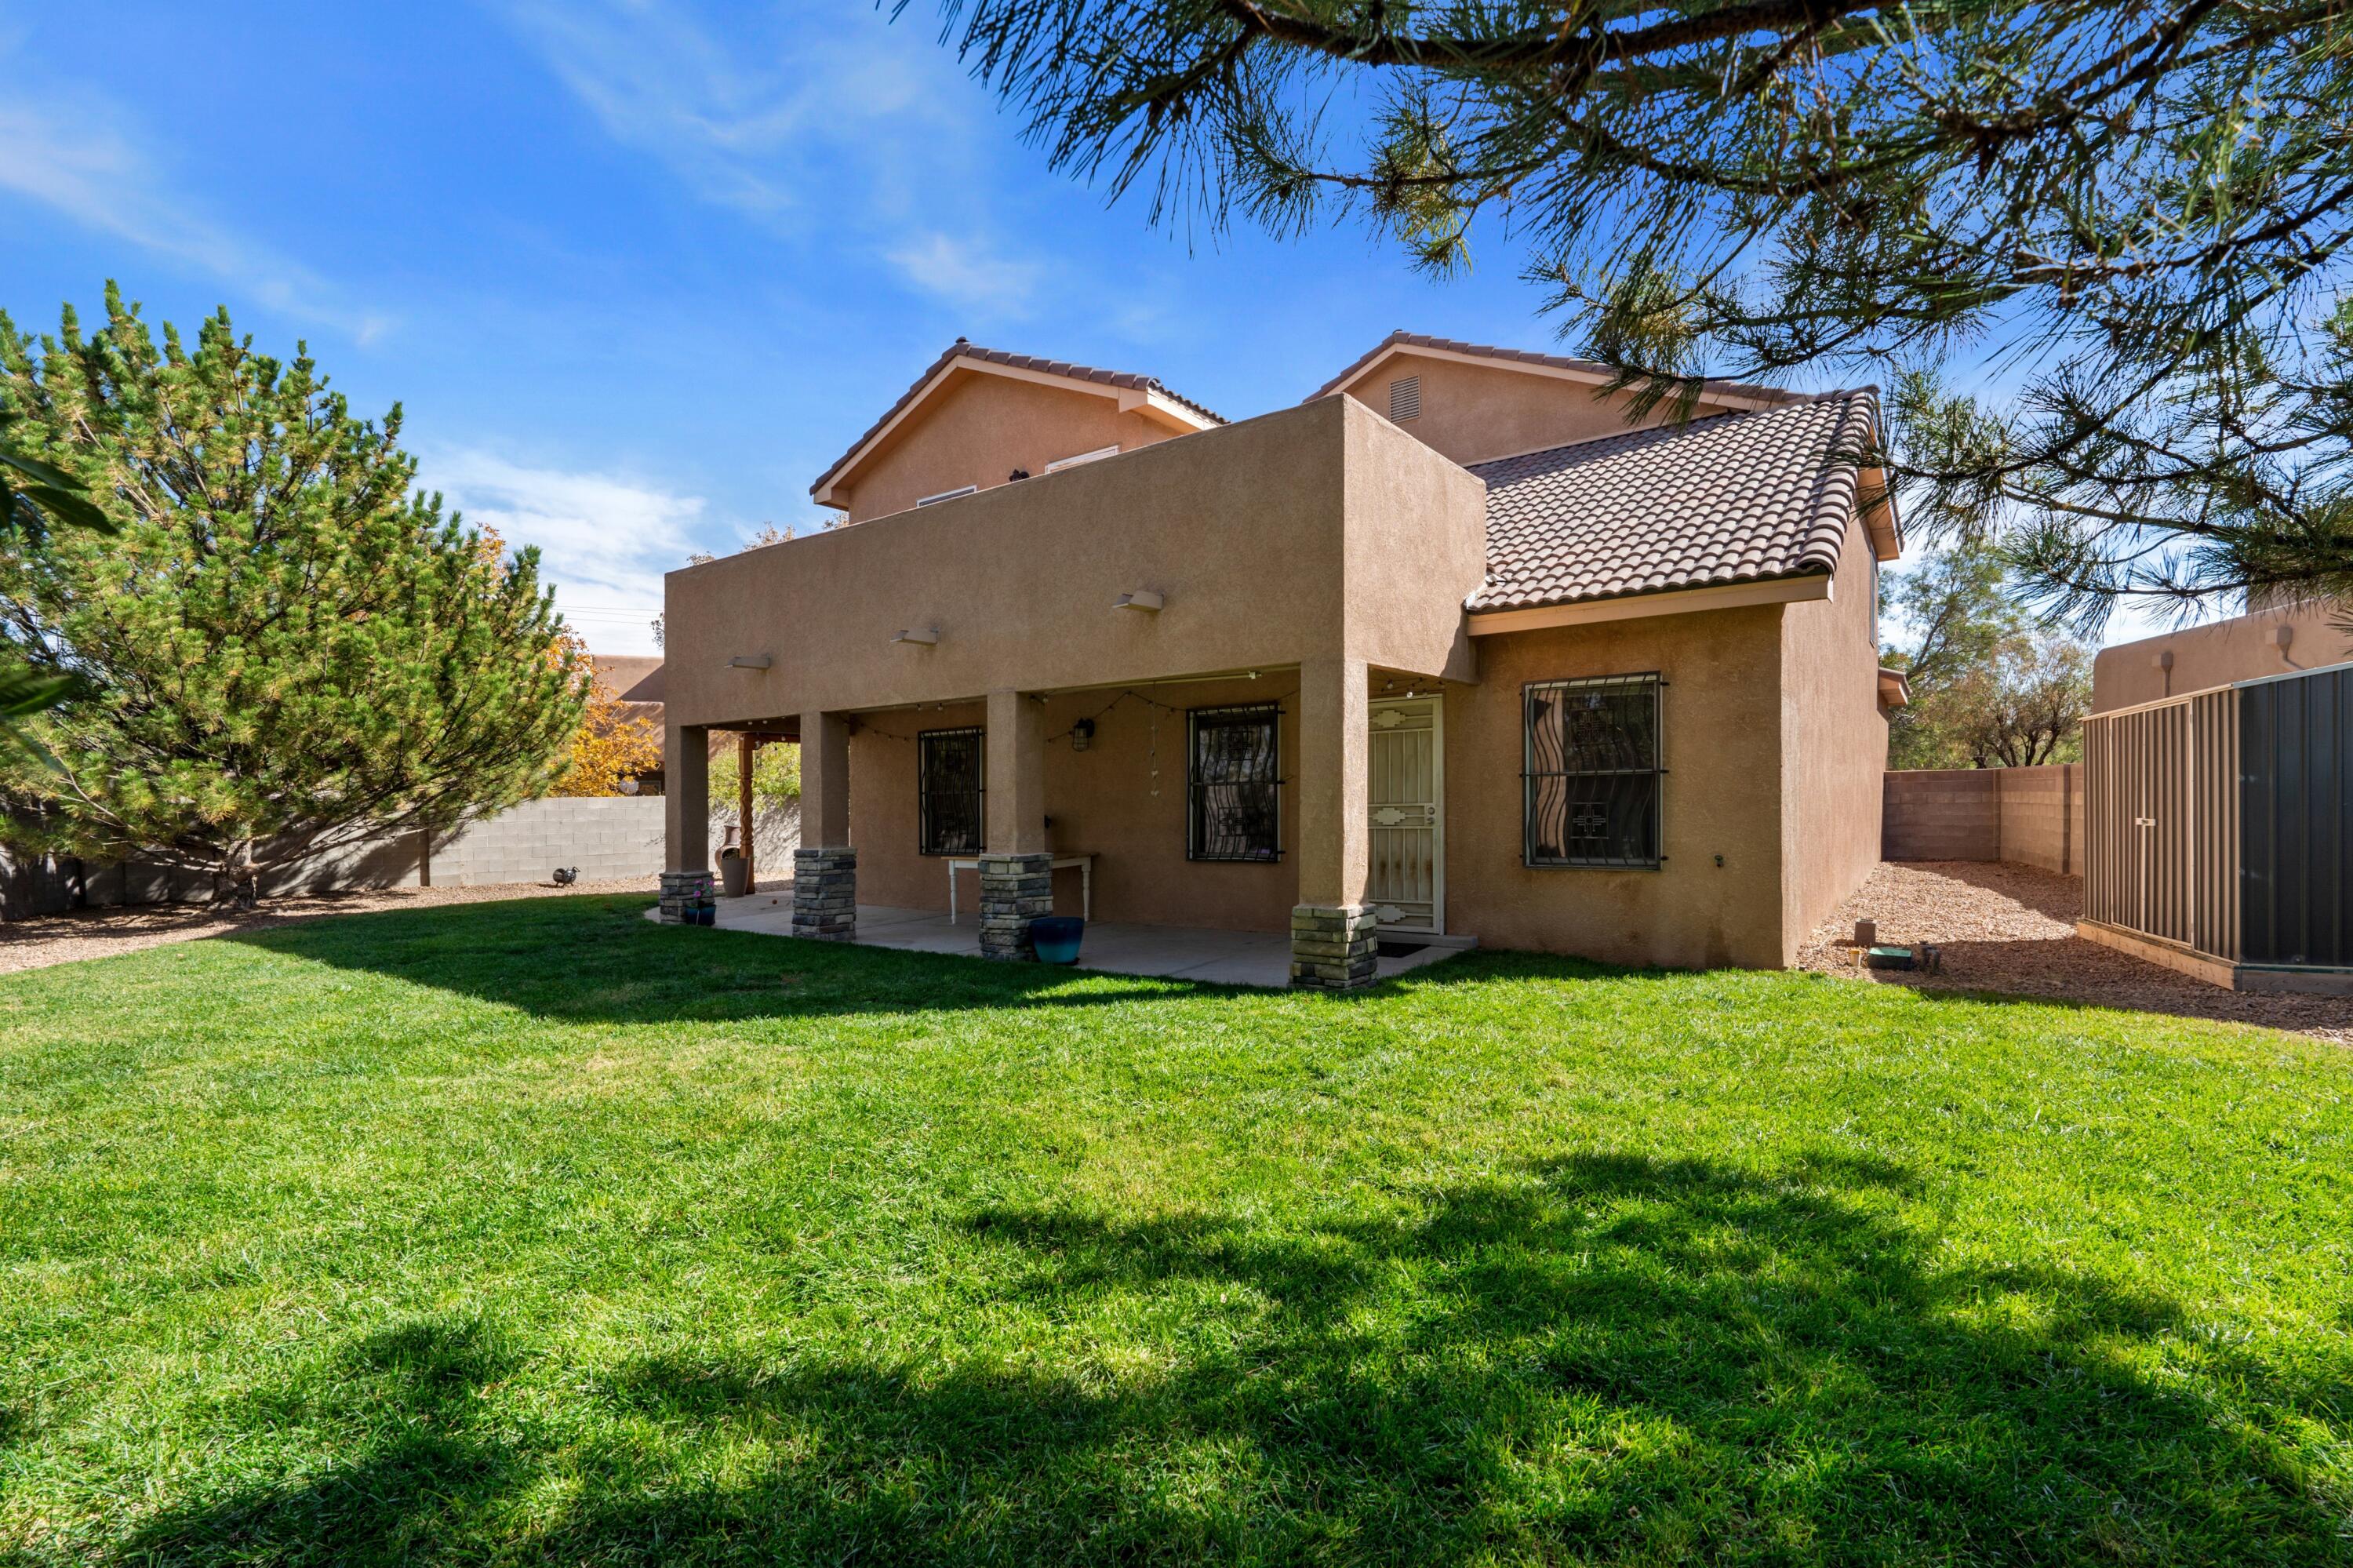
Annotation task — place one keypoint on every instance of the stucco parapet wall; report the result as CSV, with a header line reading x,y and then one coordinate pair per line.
x,y
1303,532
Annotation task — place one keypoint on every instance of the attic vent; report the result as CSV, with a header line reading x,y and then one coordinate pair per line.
x,y
1405,400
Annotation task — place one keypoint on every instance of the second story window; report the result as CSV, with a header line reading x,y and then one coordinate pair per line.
x,y
948,495
949,768
1235,784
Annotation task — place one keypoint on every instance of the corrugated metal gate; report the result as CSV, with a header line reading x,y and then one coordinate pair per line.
x,y
2160,817
2218,820
2295,742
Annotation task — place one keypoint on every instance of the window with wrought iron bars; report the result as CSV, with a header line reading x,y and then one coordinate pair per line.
x,y
949,770
1235,782
1592,773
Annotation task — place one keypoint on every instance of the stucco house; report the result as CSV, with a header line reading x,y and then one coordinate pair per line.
x,y
1452,647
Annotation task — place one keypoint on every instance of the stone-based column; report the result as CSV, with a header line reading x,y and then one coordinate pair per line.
x,y
1017,874
1015,889
825,868
686,798
1334,948
825,893
686,898
1334,938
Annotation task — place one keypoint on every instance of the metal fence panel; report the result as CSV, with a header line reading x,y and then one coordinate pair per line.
x,y
2295,742
2160,821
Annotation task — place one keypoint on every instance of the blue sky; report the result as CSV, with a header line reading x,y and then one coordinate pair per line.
x,y
638,270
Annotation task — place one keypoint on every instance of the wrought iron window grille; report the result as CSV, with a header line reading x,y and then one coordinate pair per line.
x,y
1234,783
950,775
1591,772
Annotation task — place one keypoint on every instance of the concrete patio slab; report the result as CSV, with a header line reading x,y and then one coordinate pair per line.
x,y
1170,952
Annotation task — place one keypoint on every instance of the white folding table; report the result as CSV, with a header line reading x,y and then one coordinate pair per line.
x,y
1085,862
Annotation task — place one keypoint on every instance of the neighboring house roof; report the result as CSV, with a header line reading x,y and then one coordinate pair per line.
x,y
634,677
960,355
1593,370
1731,498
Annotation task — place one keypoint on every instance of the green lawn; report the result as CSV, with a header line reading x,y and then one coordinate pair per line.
x,y
533,1232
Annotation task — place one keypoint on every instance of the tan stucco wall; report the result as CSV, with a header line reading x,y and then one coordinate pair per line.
x,y
1103,801
2241,649
1721,748
1246,529
1309,544
1473,413
1834,747
977,428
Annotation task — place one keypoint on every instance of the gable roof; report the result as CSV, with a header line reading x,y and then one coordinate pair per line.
x,y
1589,370
1147,392
1730,498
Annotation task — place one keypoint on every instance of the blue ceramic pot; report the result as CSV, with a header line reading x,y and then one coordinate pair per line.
x,y
1056,938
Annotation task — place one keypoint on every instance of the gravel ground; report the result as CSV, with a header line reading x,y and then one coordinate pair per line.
x,y
2011,928
101,933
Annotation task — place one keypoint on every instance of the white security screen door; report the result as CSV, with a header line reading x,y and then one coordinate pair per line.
x,y
1405,779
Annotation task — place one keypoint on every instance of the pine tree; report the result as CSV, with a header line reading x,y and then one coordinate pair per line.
x,y
2128,216
280,650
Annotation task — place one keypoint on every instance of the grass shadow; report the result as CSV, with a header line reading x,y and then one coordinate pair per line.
x,y
596,960
1603,1358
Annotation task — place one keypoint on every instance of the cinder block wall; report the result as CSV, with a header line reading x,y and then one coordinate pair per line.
x,y
615,838
1941,815
609,838
2043,817
2030,816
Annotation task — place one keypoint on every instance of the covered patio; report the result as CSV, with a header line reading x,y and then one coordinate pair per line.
x,y
1171,716
1172,952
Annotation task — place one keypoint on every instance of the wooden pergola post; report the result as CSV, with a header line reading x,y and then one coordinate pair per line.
x,y
746,743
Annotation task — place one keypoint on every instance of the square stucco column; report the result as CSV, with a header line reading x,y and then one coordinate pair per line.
x,y
686,798
1016,874
825,868
1334,936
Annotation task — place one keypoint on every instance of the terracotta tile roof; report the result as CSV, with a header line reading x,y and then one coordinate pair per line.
x,y
1731,498
1402,339
960,349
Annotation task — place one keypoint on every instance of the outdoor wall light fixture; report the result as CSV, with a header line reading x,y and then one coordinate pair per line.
x,y
750,661
1083,735
925,636
1142,598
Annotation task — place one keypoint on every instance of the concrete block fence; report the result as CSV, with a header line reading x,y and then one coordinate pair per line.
x,y
610,839
2029,816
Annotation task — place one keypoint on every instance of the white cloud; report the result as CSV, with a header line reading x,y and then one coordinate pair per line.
x,y
843,128
66,156
605,541
964,273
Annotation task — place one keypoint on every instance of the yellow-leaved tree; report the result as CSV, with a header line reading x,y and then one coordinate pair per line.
x,y
614,740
